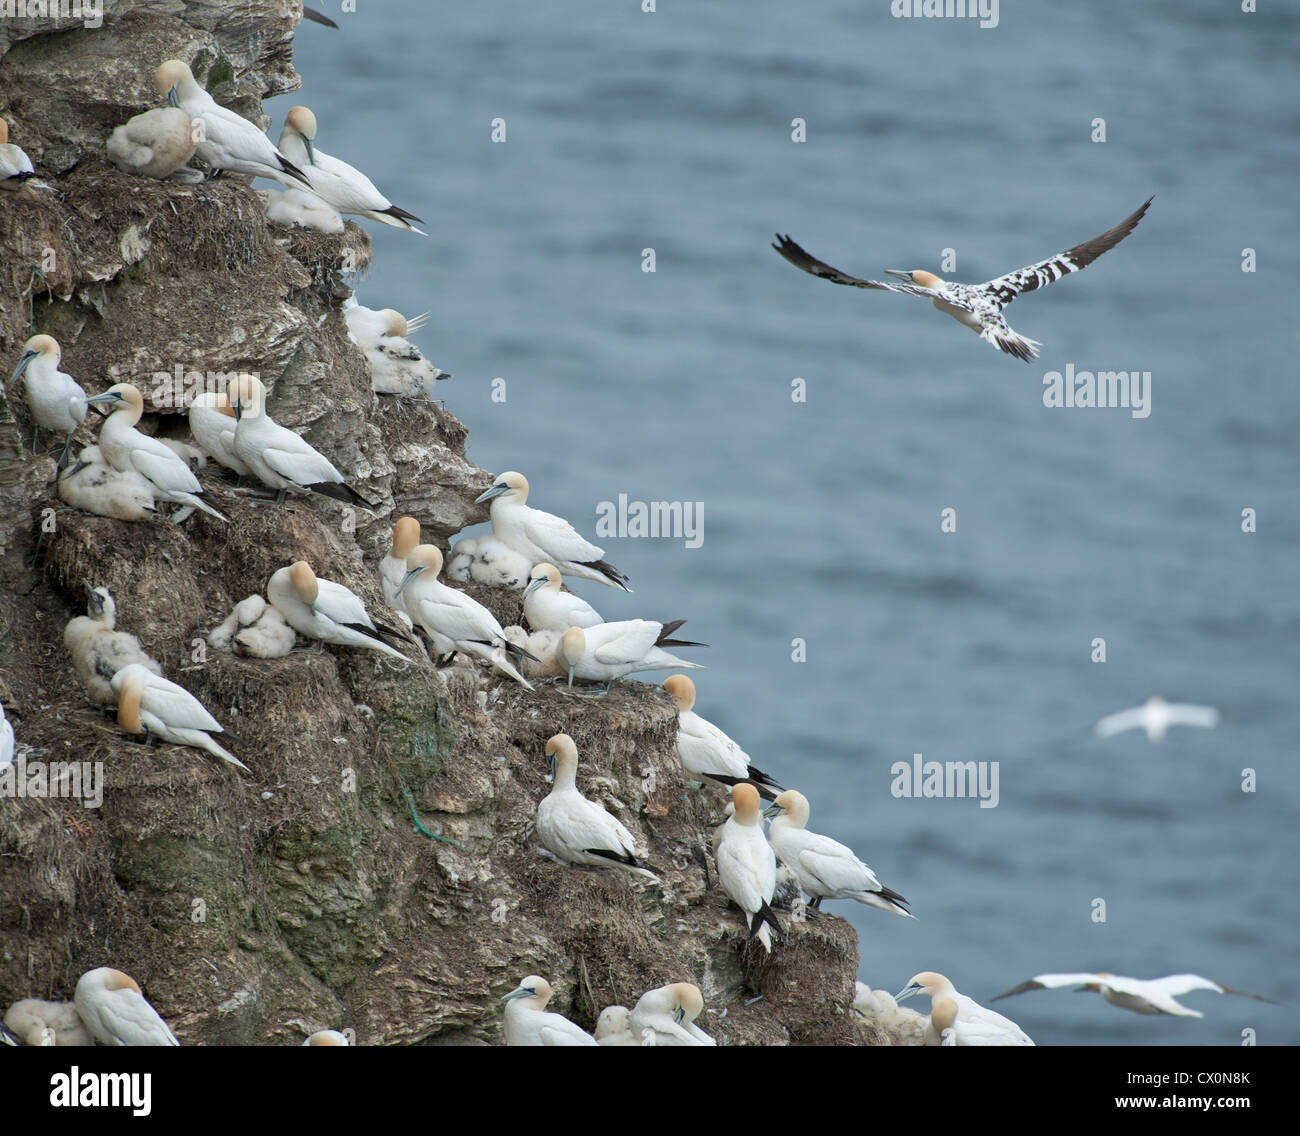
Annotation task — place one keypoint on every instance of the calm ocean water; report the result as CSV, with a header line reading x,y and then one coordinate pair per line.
x,y
671,131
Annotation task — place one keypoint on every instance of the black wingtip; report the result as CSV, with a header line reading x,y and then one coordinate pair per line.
x,y
401,214
338,491
318,17
612,574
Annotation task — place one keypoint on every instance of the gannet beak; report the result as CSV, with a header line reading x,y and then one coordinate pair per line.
x,y
679,1015
23,363
238,408
550,761
907,992
76,469
96,604
772,810
571,670
107,396
311,152
496,491
519,992
411,575
902,275
172,97
533,585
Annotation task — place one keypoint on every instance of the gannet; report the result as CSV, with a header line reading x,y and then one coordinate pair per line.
x,y
977,306
669,1014
705,750
1141,995
941,1028
99,651
6,739
15,166
127,450
253,628
528,1023
577,830
224,139
366,325
975,1025
347,189
543,537
905,1027
747,864
327,1037
55,398
36,1022
302,209
453,620
612,1027
114,1010
321,609
1155,716
94,486
486,560
826,868
212,422
392,568
277,456
150,704
548,608
609,651
396,365
154,144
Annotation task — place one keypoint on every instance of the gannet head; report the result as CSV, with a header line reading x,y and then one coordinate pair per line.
x,y
100,606
927,982
917,276
129,693
682,691
44,346
613,1020
424,558
689,1000
561,755
745,797
246,395
406,537
573,645
327,1037
542,576
394,322
943,1013
302,120
173,78
106,978
795,806
535,988
511,485
303,580
124,399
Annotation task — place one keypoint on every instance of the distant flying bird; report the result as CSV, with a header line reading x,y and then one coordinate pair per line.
x,y
1142,996
978,306
1155,716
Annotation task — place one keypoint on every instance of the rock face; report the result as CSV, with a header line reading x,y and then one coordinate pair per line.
x,y
257,909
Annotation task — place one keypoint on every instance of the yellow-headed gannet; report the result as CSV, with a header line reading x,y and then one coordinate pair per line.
x,y
705,750
527,1021
1141,995
55,398
543,537
327,1037
612,1027
609,651
826,869
213,422
128,450
577,830
347,189
905,1026
224,139
367,325
94,486
99,651
747,864
302,209
1155,716
15,166
396,365
321,609
155,144
6,740
392,568
669,1014
114,1010
548,608
975,1025
150,704
36,1022
253,628
977,306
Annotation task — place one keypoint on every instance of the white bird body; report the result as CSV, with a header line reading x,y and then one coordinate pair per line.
x,y
94,486
705,750
974,1024
253,628
612,1027
302,209
15,166
544,646
327,1037
747,864
610,651
154,144
367,325
548,608
486,560
527,1021
669,1013
37,1022
212,422
99,651
7,744
905,1027
323,610
55,398
149,703
115,1011
1156,716
1141,995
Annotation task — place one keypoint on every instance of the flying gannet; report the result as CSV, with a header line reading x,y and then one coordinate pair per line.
x,y
94,486
577,830
1141,995
152,705
543,537
253,628
321,609
1155,716
36,1022
212,422
548,608
527,1021
114,1010
705,750
612,1027
609,651
327,1037
302,209
99,651
55,398
977,306
15,166
669,1014
975,1025
154,144
747,865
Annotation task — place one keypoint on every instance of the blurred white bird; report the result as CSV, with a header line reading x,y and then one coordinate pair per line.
x,y
99,650
154,144
1155,716
612,1027
94,486
327,1037
668,1014
36,1022
1141,995
15,166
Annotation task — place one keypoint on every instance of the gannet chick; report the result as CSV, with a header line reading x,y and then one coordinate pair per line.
x,y
543,537
212,422
577,830
99,651
302,209
277,456
253,628
905,1027
498,566
669,1014
747,864
155,144
15,166
114,1010
225,140
347,189
55,398
396,365
974,1025
460,558
453,620
705,750
36,1022
612,1027
1141,995
327,1037
609,651
150,704
94,486
548,608
392,568
1155,716
826,868
321,609
7,744
129,451
528,1023
542,647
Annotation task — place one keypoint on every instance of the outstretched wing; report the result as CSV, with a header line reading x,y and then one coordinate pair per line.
x,y
1048,982
800,258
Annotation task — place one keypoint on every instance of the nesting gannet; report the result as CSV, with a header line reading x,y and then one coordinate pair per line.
x,y
577,830
212,422
705,750
975,1025
977,306
114,1010
253,628
609,651
453,620
548,608
155,144
277,456
129,451
396,365
669,1014
1155,716
150,704
527,1021
99,651
15,166
366,325
543,537
224,139
36,1022
612,1027
302,209
6,740
747,864
327,1037
321,609
55,398
347,189
826,868
904,1026
392,568
94,486
1141,995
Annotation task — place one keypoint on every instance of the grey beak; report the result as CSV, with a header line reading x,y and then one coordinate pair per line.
x,y
23,364
311,152
411,575
107,396
772,811
533,585
521,992
495,491
173,97
895,272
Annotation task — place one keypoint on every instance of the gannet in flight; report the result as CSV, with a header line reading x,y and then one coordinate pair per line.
x,y
975,1025
55,398
15,166
705,750
154,144
978,306
548,608
321,609
213,422
543,537
610,651
747,864
1155,716
1141,995
527,1021
826,869
150,704
669,1014
327,1037
114,1010
253,628
99,651
94,486
47,1023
